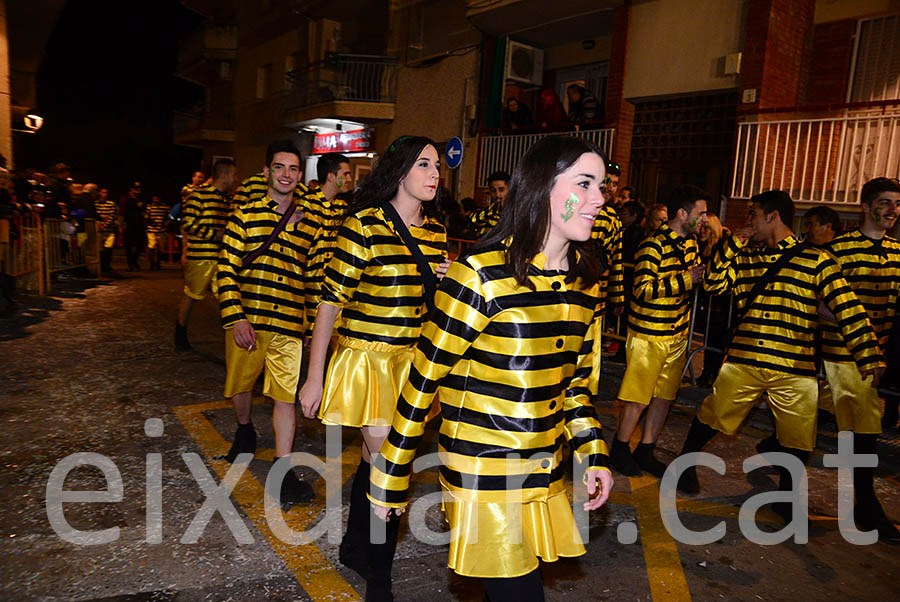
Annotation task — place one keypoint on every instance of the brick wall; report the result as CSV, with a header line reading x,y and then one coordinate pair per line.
x,y
829,69
619,110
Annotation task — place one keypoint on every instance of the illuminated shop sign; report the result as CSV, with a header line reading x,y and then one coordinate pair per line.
x,y
354,141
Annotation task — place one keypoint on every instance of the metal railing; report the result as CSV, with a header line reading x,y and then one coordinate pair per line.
x,y
343,77
65,249
503,152
21,251
820,160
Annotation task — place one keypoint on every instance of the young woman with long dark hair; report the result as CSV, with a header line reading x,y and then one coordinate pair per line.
x,y
375,291
511,347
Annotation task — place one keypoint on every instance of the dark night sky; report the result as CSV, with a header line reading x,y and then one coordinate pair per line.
x,y
107,90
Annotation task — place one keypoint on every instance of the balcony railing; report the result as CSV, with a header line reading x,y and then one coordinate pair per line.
x,y
343,77
503,152
823,159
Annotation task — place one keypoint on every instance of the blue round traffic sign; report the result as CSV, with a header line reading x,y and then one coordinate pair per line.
x,y
454,152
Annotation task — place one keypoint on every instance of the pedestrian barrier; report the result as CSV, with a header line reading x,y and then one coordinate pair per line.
x,y
65,249
21,251
458,246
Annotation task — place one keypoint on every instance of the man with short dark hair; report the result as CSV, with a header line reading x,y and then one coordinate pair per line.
x,y
485,219
821,225
773,348
870,261
667,267
203,217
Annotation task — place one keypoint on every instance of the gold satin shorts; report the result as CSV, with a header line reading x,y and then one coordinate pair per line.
x,y
500,539
278,354
155,240
855,402
363,382
792,399
109,240
199,278
653,369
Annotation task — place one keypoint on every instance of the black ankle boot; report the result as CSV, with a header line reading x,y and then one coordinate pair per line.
x,y
352,552
380,558
244,442
867,512
643,455
295,490
621,460
698,436
181,339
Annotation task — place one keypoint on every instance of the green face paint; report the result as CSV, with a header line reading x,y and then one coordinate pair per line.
x,y
693,224
876,215
570,202
340,181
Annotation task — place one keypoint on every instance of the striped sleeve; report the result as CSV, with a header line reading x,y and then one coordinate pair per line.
x,y
720,274
849,313
229,263
351,255
190,218
648,284
460,315
616,270
581,427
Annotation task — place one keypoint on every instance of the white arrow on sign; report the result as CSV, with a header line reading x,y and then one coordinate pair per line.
x,y
453,152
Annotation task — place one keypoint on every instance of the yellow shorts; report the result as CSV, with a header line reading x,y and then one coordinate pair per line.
x,y
363,383
499,539
793,400
856,404
199,278
280,355
155,240
653,369
109,240
826,400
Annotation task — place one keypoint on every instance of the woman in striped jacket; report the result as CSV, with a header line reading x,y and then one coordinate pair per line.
x,y
510,346
374,290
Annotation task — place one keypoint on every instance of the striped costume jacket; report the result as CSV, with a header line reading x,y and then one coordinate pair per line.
x,y
606,235
328,215
661,300
513,367
204,216
872,269
269,293
485,219
375,281
779,330
107,216
156,218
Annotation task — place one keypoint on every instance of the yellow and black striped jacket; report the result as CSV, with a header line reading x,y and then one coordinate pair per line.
x,y
779,330
329,215
375,281
485,219
661,298
872,269
512,367
607,236
269,293
203,217
107,215
156,218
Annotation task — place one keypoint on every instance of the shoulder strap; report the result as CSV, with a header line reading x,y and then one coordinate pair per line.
x,y
429,280
258,251
768,276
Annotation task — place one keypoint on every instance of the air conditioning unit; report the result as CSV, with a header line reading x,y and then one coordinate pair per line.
x,y
524,63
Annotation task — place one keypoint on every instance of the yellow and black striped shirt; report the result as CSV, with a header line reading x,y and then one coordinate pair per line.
x,y
157,216
779,330
872,269
203,217
661,299
329,215
269,293
107,215
375,281
607,236
485,219
512,367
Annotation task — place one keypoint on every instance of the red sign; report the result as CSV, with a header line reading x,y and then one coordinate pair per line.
x,y
354,141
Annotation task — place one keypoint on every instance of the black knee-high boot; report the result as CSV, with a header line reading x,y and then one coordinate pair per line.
x,y
380,558
527,588
698,436
867,511
106,261
785,482
353,546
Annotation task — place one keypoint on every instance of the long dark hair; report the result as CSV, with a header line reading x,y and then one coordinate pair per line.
x,y
526,213
382,184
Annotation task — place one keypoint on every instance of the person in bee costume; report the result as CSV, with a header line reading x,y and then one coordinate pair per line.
x,y
510,349
378,287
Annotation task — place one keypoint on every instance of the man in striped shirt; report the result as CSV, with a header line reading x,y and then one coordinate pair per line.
x,y
203,218
773,348
156,218
870,261
485,219
263,310
667,267
108,226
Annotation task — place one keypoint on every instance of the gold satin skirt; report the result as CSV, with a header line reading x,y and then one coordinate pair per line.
x,y
489,540
855,402
363,383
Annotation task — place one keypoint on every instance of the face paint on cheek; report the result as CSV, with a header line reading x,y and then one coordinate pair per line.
x,y
570,202
693,224
876,216
340,182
